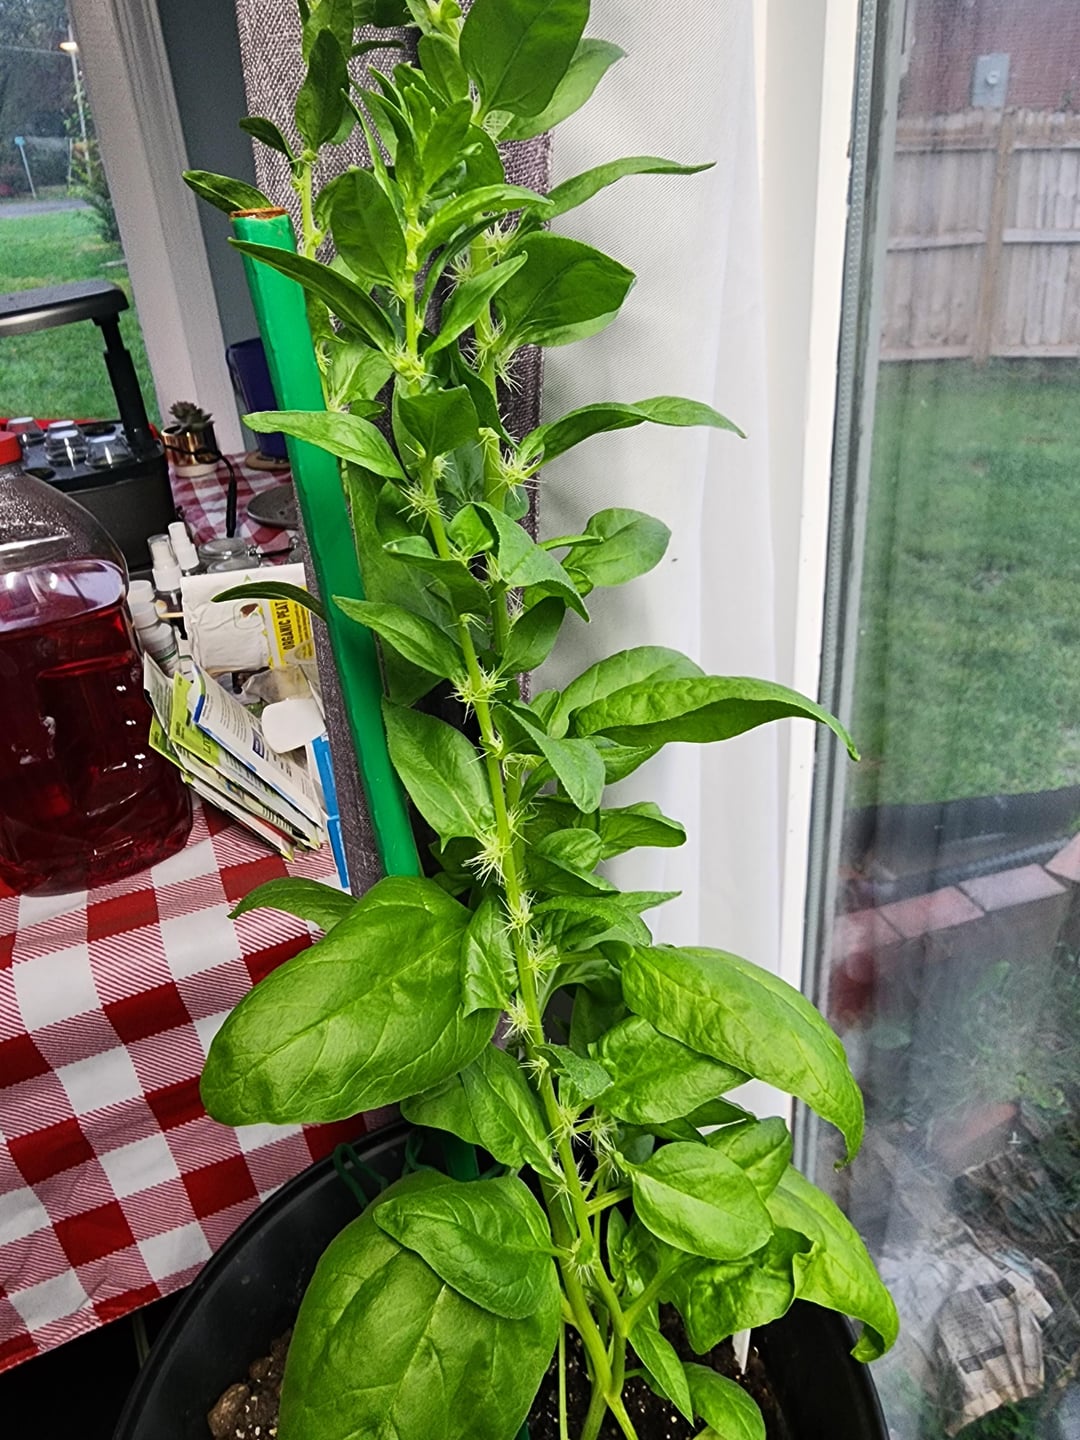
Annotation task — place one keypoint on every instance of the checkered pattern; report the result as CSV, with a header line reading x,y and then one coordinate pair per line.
x,y
115,1186
202,504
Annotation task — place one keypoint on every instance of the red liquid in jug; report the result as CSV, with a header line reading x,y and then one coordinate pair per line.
x,y
83,798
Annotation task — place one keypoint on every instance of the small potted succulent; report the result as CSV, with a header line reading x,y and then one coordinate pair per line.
x,y
190,440
513,996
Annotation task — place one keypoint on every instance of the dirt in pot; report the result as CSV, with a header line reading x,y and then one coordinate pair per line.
x,y
248,1410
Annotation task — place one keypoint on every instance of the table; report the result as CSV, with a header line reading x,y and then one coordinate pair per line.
x,y
115,1186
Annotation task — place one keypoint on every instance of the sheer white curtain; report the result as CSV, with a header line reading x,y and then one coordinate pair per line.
x,y
693,325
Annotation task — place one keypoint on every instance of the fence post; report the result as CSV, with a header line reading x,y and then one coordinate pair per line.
x,y
990,279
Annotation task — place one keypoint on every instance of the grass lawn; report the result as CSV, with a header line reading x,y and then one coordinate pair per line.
x,y
61,372
968,674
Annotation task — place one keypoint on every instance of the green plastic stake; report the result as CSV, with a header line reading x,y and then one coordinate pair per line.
x,y
282,315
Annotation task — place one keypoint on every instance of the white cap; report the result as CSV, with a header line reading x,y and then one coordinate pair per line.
x,y
178,534
161,551
141,604
167,578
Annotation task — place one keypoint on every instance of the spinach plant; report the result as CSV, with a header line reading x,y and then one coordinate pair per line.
x,y
513,997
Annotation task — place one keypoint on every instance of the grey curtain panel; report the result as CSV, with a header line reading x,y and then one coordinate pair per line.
x,y
273,69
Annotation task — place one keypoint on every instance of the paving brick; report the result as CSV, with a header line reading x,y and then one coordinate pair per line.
x,y
861,932
1021,886
923,914
1066,863
974,1136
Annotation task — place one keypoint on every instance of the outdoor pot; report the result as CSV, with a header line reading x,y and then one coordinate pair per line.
x,y
248,1294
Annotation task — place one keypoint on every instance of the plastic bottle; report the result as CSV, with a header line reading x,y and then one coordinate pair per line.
x,y
187,556
156,637
83,798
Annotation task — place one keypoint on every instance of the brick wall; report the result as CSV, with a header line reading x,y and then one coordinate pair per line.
x,y
1041,38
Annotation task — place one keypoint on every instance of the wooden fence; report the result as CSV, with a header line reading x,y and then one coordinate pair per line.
x,y
984,248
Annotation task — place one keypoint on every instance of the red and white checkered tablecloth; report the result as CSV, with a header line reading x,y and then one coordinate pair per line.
x,y
115,1186
202,504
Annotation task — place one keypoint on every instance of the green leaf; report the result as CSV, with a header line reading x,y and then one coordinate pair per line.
x,y
579,922
489,974
703,709
838,1272
267,132
489,1239
434,1365
370,1014
308,899
333,15
592,60
533,634
576,852
699,1201
446,140
345,300
470,300
727,1409
367,232
564,285
524,565
320,101
491,200
493,1102
656,1078
663,1364
350,437
575,763
574,192
571,429
225,194
461,585
358,373
627,544
586,1078
632,826
760,1148
517,51
439,58
439,420
442,772
745,1016
273,590
716,1300
645,664
412,636
622,760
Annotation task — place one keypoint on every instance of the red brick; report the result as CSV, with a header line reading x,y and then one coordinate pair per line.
x,y
922,914
861,932
1021,886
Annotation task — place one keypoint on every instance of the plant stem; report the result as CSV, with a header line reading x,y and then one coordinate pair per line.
x,y
564,1429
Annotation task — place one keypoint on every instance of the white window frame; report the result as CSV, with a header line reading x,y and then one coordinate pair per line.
x,y
142,147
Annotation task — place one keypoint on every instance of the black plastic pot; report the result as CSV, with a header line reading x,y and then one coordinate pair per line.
x,y
249,1293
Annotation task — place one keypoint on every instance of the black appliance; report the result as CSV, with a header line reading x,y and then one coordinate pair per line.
x,y
116,468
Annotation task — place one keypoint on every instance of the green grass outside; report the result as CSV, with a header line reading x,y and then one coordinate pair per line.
x,y
61,372
968,671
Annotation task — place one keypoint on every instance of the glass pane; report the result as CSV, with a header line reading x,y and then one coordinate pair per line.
x,y
954,975
57,221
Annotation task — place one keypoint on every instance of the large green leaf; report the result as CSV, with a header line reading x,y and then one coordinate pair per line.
x,y
716,1300
656,1078
621,545
320,102
558,436
533,634
344,299
489,974
224,193
761,1148
442,772
517,51
727,1409
524,565
663,1364
470,299
489,1239
592,60
384,1348
645,664
491,1104
370,1014
564,286
574,192
460,584
309,899
466,209
411,635
702,709
350,437
575,763
837,1272
743,1015
643,824
367,231
437,421
699,1201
